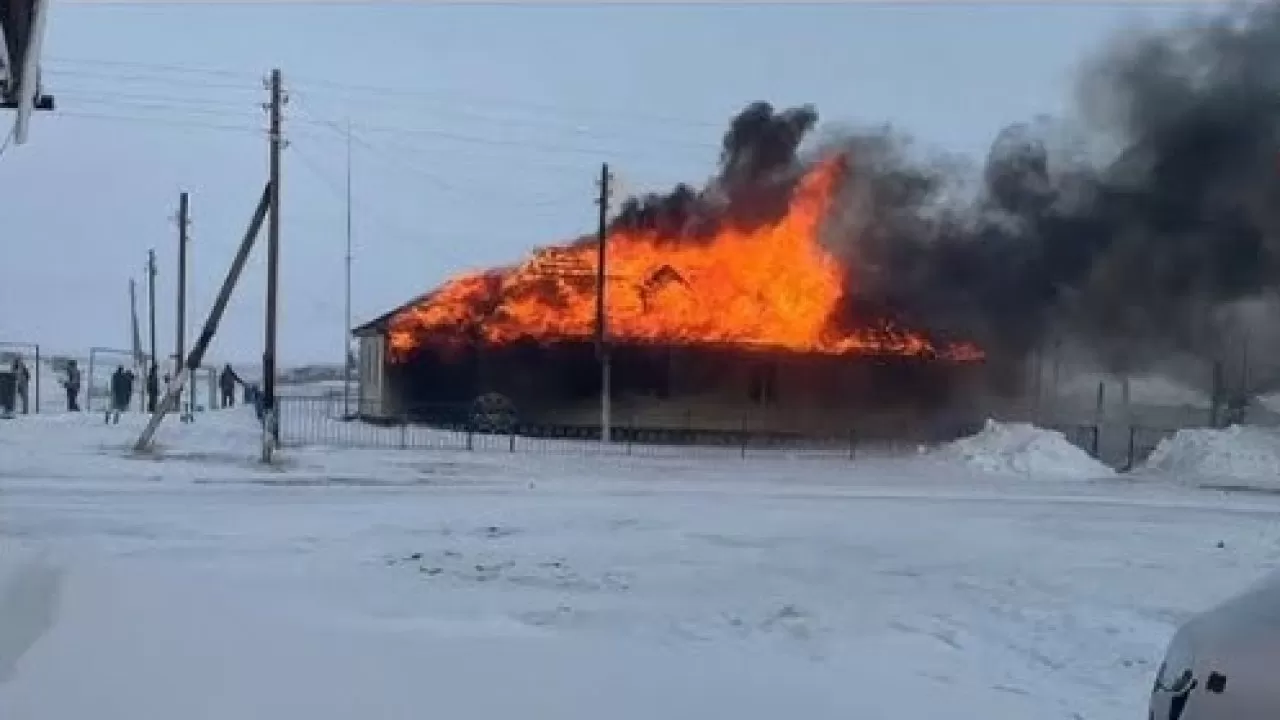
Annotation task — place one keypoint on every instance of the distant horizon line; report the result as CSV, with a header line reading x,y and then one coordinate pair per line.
x,y
632,3
47,353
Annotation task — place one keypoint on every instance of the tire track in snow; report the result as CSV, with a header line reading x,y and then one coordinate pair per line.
x,y
28,609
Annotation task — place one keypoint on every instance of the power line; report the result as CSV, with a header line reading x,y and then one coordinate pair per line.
x,y
96,95
438,181
160,100
321,84
562,123
543,146
155,71
339,191
158,120
540,146
389,157
307,117
71,98
224,109
53,61
143,77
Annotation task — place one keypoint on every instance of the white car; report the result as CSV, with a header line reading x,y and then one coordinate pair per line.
x,y
1224,664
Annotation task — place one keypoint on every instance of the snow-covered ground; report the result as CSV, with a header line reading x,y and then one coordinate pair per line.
x,y
393,584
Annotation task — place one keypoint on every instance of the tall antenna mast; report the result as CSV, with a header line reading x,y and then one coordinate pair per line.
x,y
346,330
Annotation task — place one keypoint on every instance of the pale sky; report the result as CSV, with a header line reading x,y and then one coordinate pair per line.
x,y
479,132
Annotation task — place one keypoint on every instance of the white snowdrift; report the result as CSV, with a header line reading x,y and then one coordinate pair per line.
x,y
1026,450
1241,452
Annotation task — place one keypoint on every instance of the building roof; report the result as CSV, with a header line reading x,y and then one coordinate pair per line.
x,y
379,324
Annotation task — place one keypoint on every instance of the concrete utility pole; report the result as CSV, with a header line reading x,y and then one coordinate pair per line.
x,y
602,330
276,141
180,336
139,361
210,324
151,311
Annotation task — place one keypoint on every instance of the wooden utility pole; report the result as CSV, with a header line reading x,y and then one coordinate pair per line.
x,y
602,330
181,333
153,370
276,142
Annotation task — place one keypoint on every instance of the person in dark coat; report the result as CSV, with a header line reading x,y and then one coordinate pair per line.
x,y
127,382
121,389
72,385
227,382
22,377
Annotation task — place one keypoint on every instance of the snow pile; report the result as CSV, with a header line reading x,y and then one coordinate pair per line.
x,y
1249,453
1024,449
1270,402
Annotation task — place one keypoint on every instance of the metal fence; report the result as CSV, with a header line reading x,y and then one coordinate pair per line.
x,y
103,362
320,420
1085,437
30,355
1144,439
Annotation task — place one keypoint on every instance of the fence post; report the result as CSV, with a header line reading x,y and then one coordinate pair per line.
x,y
1132,448
404,433
37,374
88,387
471,431
853,443
512,437
742,444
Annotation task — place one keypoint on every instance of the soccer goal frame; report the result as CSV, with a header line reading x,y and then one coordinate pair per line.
x,y
33,349
140,381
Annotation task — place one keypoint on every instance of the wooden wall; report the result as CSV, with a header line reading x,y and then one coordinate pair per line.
x,y
688,387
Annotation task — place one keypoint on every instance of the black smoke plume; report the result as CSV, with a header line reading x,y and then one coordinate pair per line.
x,y
1134,256
757,170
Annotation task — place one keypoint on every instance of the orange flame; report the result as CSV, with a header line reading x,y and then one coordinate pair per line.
x,y
770,288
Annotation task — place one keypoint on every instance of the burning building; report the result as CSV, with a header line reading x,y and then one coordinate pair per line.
x,y
857,280
741,323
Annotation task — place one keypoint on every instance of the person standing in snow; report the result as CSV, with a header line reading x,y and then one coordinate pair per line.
x,y
23,378
72,385
127,381
121,387
227,381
